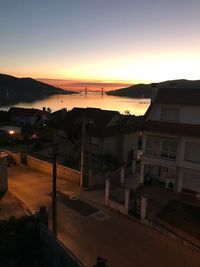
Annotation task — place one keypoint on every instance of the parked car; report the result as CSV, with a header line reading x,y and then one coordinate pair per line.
x,y
10,161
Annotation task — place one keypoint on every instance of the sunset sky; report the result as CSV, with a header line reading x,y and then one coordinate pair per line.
x,y
101,40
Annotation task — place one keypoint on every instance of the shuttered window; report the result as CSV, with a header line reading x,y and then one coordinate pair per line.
x,y
192,152
161,146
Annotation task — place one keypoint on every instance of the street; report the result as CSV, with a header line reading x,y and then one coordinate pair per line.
x,y
122,241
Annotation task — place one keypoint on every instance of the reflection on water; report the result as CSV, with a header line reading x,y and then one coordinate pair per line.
x,y
135,106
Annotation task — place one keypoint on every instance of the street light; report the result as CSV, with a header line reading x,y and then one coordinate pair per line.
x,y
82,151
11,132
54,192
54,185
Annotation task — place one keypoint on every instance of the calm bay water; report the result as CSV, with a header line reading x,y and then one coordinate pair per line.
x,y
121,104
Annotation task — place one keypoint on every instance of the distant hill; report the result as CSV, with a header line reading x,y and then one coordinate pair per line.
x,y
14,90
145,90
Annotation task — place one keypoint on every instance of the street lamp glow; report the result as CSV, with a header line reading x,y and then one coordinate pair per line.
x,y
11,132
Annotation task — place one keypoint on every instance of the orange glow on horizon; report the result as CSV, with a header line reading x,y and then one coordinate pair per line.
x,y
136,42
127,69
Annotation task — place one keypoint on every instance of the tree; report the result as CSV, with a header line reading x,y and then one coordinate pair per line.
x,y
49,110
127,112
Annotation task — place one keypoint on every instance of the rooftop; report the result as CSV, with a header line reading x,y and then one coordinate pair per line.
x,y
178,96
99,117
172,128
29,112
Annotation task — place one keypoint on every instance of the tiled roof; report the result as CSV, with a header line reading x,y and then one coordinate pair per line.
x,y
178,96
102,123
124,125
172,128
27,112
98,116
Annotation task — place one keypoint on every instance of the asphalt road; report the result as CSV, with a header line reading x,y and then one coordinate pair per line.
x,y
124,242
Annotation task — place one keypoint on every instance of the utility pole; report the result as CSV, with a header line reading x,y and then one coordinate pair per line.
x,y
82,151
90,156
54,196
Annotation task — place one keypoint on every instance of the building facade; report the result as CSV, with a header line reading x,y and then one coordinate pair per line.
x,y
171,140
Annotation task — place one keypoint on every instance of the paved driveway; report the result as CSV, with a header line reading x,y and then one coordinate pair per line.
x,y
125,243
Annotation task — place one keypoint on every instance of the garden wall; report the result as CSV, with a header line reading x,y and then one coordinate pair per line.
x,y
46,167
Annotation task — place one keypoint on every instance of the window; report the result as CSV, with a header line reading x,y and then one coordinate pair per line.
x,y
149,145
173,149
170,114
192,152
161,147
165,147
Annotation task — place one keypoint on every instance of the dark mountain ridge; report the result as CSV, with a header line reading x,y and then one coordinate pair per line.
x,y
146,90
14,90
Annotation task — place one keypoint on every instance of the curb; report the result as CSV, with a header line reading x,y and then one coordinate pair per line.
x,y
22,205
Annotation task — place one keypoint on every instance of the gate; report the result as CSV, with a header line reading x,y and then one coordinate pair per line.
x,y
23,159
135,206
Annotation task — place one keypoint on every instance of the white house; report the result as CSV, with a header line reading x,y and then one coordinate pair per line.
x,y
119,138
171,140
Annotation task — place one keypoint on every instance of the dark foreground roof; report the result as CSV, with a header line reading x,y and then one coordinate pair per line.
x,y
99,122
172,128
27,112
178,96
97,116
123,125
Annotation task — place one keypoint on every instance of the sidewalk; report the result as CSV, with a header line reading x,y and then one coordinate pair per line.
x,y
158,198
105,233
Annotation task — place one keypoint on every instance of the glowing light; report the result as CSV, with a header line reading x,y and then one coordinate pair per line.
x,y
11,132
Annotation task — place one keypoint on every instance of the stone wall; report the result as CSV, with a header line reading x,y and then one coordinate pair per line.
x,y
68,173
46,167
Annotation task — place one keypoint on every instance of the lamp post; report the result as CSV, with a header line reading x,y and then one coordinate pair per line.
x,y
54,184
82,151
90,126
54,196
